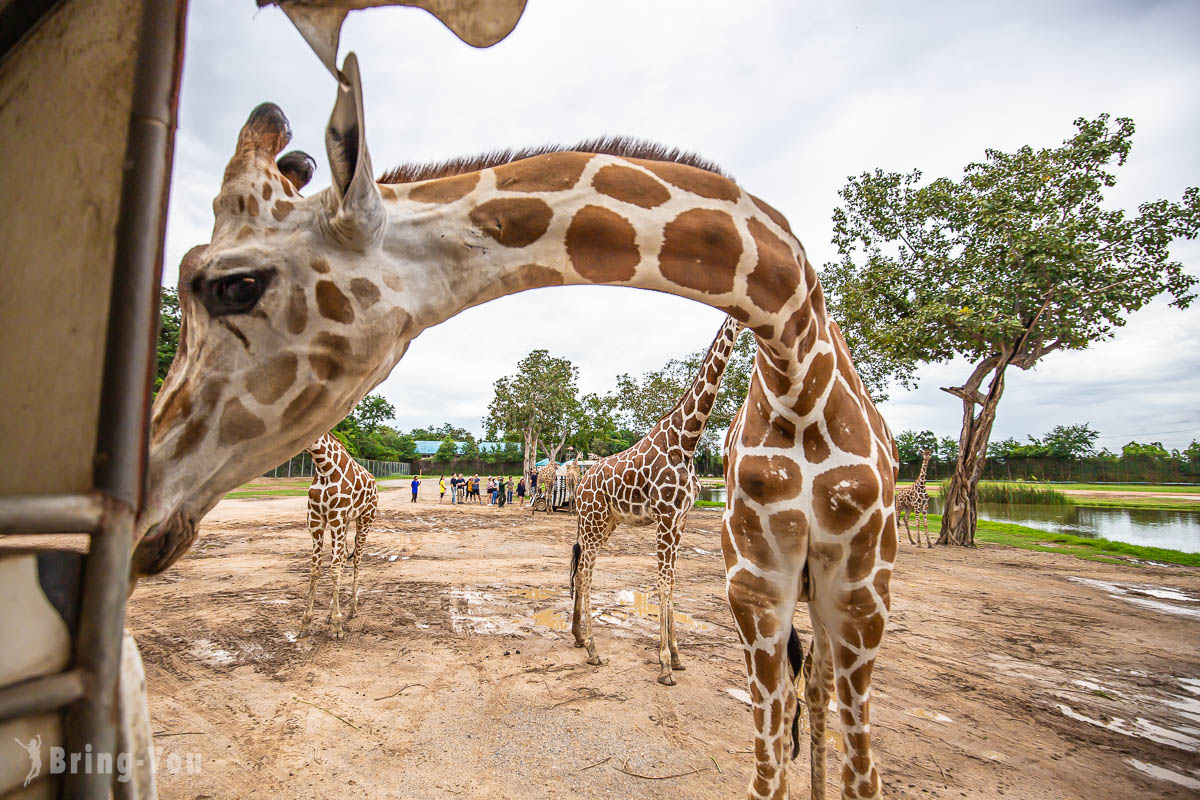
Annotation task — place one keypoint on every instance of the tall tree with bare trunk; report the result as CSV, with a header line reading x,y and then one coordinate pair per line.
x,y
1016,260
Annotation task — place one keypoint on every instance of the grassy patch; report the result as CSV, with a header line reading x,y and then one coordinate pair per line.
x,y
267,493
1022,494
1133,503
1025,538
1157,488
1007,533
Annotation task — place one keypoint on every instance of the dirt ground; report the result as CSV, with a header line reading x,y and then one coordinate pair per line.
x,y
1004,673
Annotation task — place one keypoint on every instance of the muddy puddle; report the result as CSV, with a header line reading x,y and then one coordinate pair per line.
x,y
1164,599
501,611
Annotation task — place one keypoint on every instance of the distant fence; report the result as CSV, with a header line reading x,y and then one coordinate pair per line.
x,y
1083,470
301,466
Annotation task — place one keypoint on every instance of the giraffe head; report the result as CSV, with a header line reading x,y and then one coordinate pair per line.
x,y
283,329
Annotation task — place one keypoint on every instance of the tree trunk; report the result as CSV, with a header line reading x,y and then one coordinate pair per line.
x,y
531,446
962,498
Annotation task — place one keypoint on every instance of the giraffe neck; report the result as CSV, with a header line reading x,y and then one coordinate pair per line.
x,y
328,455
685,423
453,243
920,481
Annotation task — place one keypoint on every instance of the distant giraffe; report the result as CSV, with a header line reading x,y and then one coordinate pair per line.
x,y
573,478
652,483
916,499
546,477
341,491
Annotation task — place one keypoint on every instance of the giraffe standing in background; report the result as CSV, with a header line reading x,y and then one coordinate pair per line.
x,y
652,483
916,498
298,307
342,491
573,478
546,478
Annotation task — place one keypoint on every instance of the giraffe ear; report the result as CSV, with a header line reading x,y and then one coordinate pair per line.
x,y
357,217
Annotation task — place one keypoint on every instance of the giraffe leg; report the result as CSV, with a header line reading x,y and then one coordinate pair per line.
x,y
925,524
854,620
763,619
360,541
668,651
314,572
337,533
907,530
818,688
594,531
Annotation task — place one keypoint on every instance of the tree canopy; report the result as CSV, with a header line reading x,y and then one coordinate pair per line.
x,y
1016,260
170,319
538,402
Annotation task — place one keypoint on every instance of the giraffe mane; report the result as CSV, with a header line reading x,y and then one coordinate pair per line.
x,y
624,146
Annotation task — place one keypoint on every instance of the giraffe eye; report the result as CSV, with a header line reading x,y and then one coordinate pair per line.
x,y
235,294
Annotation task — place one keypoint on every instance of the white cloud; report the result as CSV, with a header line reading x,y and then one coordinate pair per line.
x,y
790,98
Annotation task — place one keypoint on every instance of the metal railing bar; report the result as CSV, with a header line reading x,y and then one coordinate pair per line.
x,y
79,512
39,695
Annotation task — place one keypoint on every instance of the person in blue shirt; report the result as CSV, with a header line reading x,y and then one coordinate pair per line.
x,y
416,484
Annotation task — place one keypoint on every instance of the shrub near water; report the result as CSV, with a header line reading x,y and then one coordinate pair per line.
x,y
1021,494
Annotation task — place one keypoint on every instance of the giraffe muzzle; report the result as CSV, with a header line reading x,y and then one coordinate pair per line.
x,y
162,545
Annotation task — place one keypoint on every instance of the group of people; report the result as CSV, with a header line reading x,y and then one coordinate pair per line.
x,y
500,490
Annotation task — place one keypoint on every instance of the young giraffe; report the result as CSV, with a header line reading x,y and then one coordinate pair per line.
x,y
652,483
342,491
915,498
546,478
300,306
573,478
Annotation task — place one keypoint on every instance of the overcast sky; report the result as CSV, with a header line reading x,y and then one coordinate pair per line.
x,y
790,98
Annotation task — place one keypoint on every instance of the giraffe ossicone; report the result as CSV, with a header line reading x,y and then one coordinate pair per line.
x,y
652,483
299,306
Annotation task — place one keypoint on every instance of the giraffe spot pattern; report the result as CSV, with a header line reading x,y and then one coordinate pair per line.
x,y
820,371
310,397
281,210
320,266
297,313
266,191
700,251
365,292
841,495
769,479
845,422
269,384
692,179
602,245
332,304
238,424
387,192
776,275
513,221
252,205
630,186
332,351
550,172
816,449
445,190
775,216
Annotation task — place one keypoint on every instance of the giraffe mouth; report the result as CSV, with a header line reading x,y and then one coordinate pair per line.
x,y
162,545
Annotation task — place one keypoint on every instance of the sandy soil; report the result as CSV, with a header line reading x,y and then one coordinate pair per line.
x,y
1005,673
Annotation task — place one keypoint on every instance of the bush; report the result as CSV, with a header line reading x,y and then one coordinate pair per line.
x,y
1018,494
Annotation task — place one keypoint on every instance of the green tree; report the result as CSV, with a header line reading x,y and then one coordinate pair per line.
x,y
170,320
372,411
1016,260
1154,450
910,444
539,402
446,451
441,432
1071,441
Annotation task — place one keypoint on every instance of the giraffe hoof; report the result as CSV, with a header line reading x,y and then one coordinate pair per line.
x,y
578,643
304,633
678,666
595,661
666,680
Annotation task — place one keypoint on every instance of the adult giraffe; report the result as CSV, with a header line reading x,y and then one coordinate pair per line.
x,y
299,306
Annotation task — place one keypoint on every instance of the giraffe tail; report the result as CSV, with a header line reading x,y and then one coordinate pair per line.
x,y
576,551
795,652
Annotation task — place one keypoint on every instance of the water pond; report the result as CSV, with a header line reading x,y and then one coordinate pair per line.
x,y
1174,529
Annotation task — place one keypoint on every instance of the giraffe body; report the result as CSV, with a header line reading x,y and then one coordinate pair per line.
x,y
574,476
652,483
299,306
546,478
342,491
915,499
